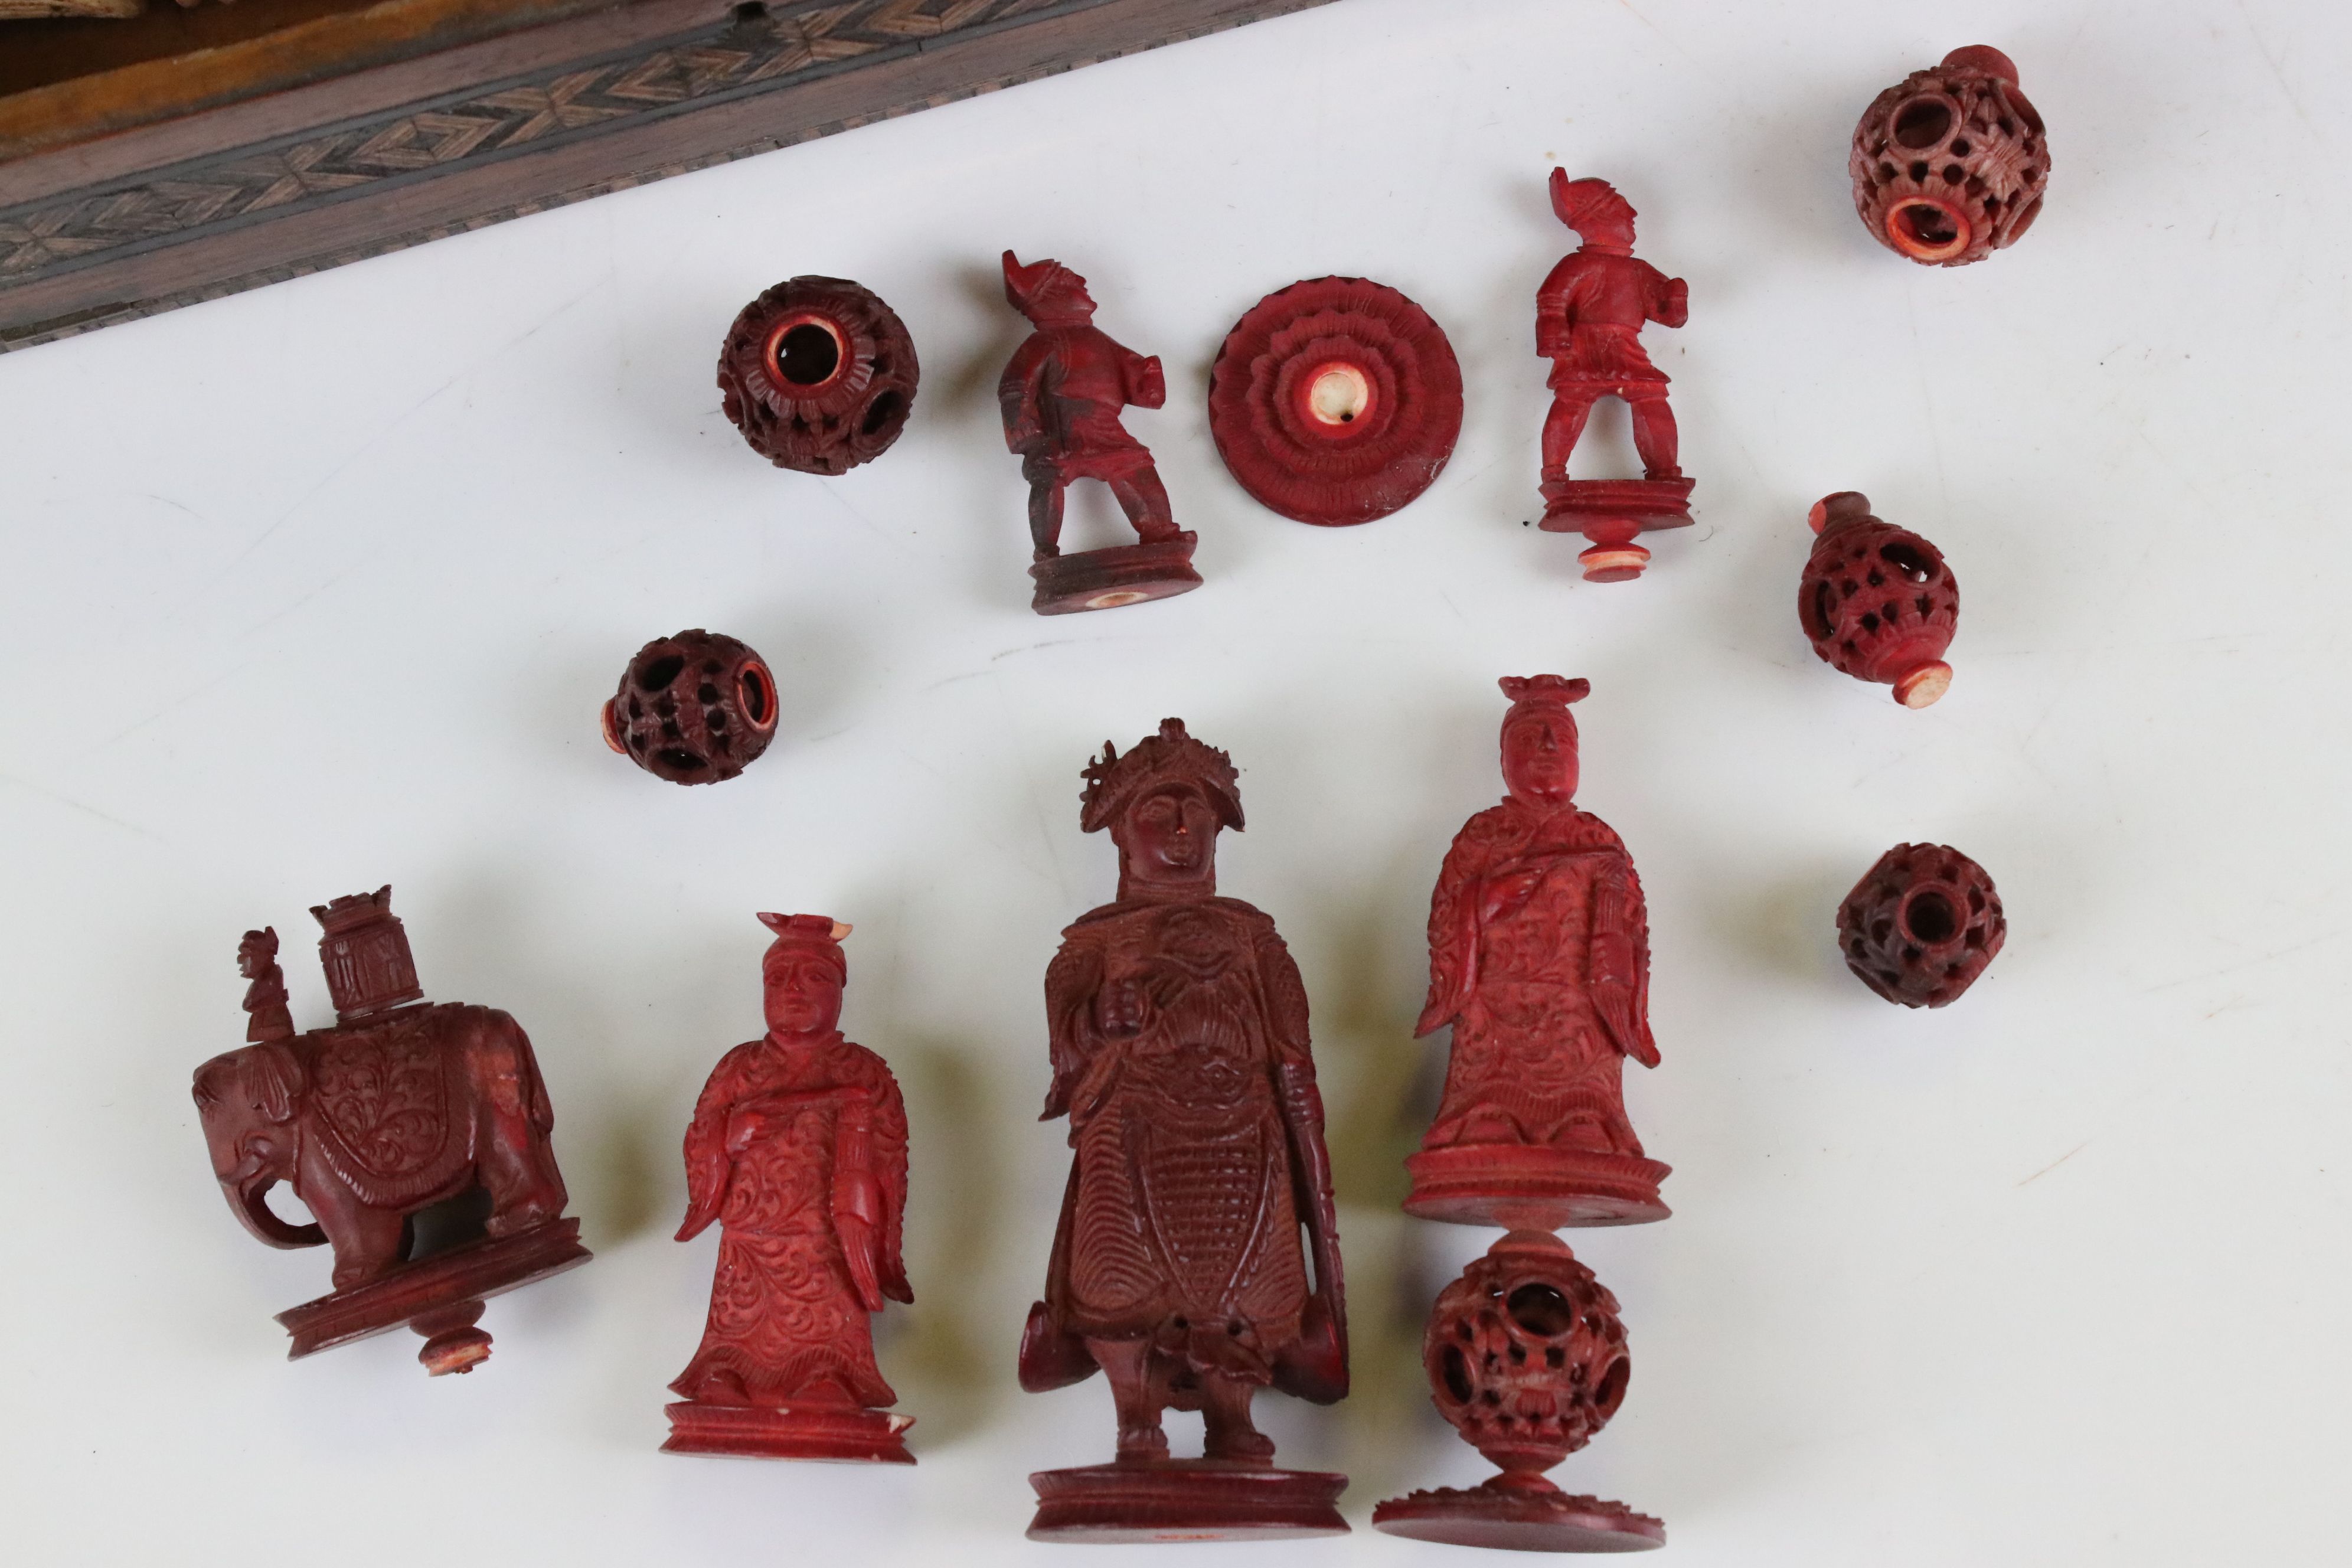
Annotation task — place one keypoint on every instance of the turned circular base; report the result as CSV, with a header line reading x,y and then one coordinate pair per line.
x,y
1613,562
1184,1499
1515,1521
1517,1187
834,1434
1920,686
1109,579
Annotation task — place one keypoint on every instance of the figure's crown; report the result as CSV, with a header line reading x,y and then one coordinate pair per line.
x,y
1578,202
820,934
366,950
1545,690
354,910
1171,756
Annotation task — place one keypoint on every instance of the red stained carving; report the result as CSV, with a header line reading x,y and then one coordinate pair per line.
x,y
376,1124
1921,925
696,707
1588,318
1061,397
1950,164
1540,959
819,375
1335,401
1527,1361
798,1150
1877,601
1197,1258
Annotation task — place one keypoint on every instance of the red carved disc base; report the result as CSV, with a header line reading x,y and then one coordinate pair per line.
x,y
1611,512
835,1433
434,1296
1522,1188
1184,1499
1107,579
1519,1518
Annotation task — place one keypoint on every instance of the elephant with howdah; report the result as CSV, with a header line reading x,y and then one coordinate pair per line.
x,y
372,1121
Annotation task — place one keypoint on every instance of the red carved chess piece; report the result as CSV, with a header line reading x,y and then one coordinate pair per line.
x,y
1181,1056
1539,958
1335,401
1588,318
377,1123
696,707
1921,925
1950,164
798,1148
819,375
1061,397
1527,1361
1877,601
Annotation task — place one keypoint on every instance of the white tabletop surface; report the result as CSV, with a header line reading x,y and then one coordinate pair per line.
x,y
319,587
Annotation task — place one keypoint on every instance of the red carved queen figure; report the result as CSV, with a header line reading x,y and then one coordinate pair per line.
x,y
798,1150
1197,1258
1539,958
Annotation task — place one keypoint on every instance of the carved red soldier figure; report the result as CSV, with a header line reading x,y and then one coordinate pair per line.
x,y
1061,397
798,1150
1588,318
376,1124
1181,1056
1539,958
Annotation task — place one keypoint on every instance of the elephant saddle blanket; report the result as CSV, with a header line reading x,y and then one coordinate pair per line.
x,y
382,1093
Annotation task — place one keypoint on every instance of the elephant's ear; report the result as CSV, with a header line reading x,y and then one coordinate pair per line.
x,y
274,1077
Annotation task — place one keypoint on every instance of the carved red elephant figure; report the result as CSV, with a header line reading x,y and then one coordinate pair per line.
x,y
373,1121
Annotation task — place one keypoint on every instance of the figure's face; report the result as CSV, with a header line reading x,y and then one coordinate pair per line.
x,y
1540,757
1170,836
804,996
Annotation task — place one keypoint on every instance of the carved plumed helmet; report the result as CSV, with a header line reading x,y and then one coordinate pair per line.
x,y
1547,694
1589,204
798,936
1114,782
1045,288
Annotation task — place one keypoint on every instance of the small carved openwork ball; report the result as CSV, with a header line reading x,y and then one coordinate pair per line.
x,y
1877,602
1950,165
819,375
1921,925
696,707
1335,401
1525,1353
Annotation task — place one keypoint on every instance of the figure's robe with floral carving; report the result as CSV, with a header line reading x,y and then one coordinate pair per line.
x,y
1540,957
1182,1221
788,1323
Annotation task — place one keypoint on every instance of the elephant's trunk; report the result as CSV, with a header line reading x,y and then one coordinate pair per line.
x,y
248,1195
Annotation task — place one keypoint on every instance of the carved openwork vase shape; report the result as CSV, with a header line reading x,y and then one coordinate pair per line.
x,y
1335,401
819,375
696,707
1877,602
1950,164
1921,925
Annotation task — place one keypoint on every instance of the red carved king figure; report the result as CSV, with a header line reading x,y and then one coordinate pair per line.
x,y
1539,958
1197,1258
798,1150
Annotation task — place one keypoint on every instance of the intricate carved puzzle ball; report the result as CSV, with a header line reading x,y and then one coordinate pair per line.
x,y
696,707
819,375
1950,164
1921,925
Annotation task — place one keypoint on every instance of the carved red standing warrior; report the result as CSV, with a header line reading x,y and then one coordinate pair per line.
x,y
400,1108
1950,164
1539,958
1181,1055
1588,318
1877,602
1061,397
798,1150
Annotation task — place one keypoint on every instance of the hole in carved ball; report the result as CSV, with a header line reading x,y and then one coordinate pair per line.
x,y
1922,121
808,354
1540,1309
752,691
1339,394
1820,611
1455,1371
660,672
880,412
1610,1392
1914,566
1930,918
678,760
1960,147
1922,227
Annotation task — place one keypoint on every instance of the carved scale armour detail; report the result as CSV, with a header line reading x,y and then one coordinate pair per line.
x,y
382,1091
